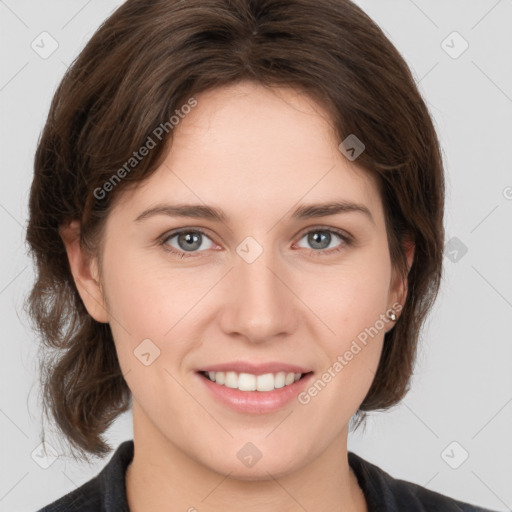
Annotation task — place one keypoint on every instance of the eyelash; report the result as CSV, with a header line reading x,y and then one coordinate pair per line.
x,y
347,241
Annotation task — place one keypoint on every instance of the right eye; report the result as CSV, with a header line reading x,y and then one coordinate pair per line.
x,y
188,241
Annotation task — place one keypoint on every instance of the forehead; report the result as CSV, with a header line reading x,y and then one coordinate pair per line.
x,y
255,150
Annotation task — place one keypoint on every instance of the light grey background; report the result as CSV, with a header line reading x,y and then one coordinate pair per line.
x,y
462,385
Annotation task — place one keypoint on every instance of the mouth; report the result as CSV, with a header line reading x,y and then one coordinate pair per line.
x,y
254,393
254,387
266,382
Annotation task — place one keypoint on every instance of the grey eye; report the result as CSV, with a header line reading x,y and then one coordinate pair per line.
x,y
320,239
188,241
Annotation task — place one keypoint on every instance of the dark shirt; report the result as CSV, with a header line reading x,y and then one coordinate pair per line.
x,y
106,492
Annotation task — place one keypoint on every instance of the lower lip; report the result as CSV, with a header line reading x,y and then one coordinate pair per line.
x,y
256,402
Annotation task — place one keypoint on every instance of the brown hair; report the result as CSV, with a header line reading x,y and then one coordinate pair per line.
x,y
147,60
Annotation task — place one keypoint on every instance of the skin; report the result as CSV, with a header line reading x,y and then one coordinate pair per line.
x,y
256,154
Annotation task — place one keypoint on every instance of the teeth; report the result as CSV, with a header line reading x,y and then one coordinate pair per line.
x,y
250,382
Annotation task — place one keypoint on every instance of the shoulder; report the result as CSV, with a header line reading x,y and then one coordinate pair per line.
x,y
85,498
387,494
106,492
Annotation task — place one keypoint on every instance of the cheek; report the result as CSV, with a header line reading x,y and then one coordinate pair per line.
x,y
143,296
350,302
147,311
138,312
150,301
349,297
350,337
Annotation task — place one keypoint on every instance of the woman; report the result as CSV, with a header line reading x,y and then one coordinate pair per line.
x,y
237,219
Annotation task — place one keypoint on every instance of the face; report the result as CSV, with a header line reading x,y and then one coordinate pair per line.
x,y
270,287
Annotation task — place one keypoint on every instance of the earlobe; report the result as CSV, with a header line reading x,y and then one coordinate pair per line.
x,y
84,268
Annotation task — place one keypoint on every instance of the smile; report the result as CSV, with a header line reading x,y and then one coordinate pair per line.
x,y
250,382
254,394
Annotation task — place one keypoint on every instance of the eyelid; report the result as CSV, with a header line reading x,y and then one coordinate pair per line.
x,y
340,232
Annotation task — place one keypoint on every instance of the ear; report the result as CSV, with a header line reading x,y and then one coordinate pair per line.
x,y
399,284
85,270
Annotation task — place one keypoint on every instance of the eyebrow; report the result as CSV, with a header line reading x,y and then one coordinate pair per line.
x,y
201,211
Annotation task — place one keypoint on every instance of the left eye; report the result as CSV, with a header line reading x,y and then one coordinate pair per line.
x,y
321,238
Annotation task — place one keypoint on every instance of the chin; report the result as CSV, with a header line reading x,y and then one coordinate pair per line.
x,y
259,471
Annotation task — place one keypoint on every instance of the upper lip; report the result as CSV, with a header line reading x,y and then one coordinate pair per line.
x,y
255,368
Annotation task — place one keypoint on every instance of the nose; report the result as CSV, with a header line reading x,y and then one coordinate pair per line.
x,y
260,304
